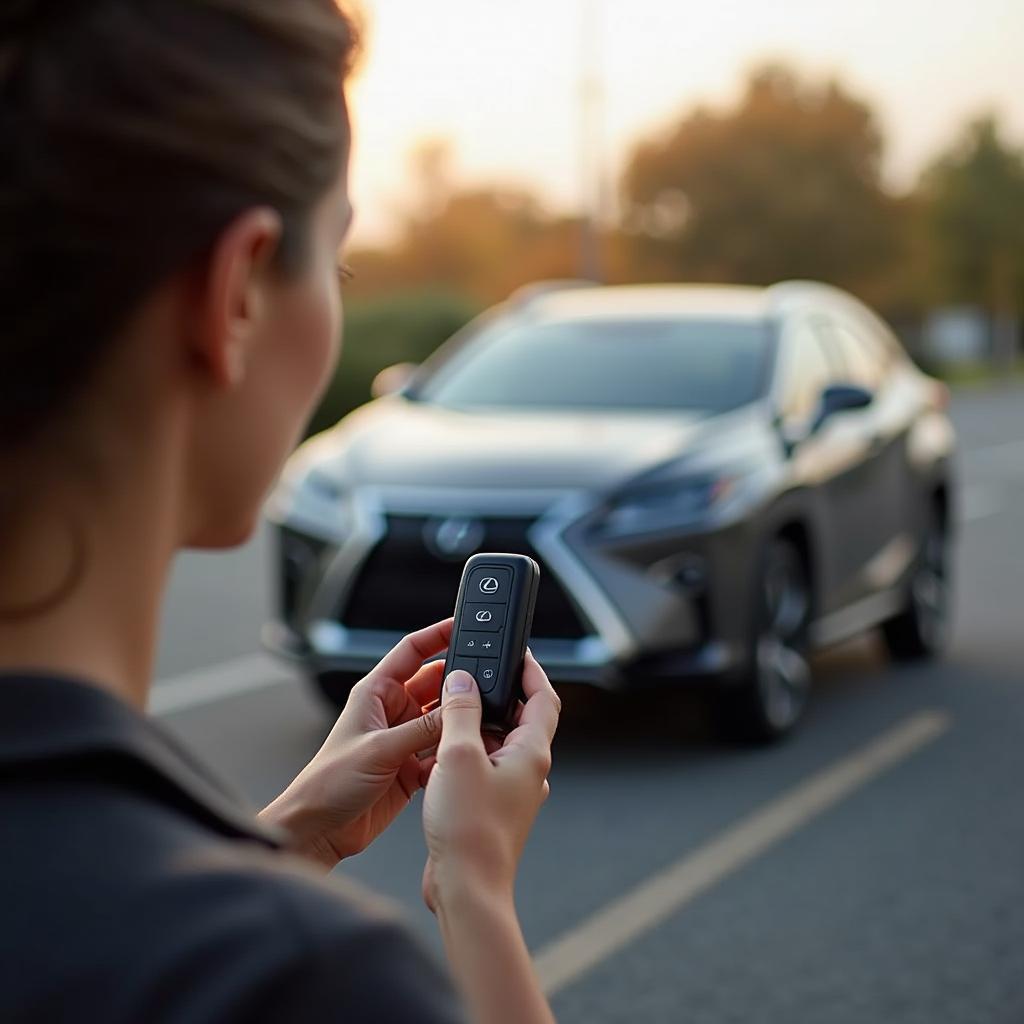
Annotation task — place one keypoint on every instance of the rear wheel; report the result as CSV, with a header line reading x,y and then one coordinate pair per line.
x,y
921,630
334,687
773,694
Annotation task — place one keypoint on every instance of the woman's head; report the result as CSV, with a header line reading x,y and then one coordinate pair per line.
x,y
172,197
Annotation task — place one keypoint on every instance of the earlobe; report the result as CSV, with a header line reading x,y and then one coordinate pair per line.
x,y
235,362
231,294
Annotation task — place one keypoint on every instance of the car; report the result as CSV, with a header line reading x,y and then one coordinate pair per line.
x,y
715,480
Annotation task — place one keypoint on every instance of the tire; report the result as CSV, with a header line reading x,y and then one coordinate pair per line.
x,y
773,692
921,631
334,687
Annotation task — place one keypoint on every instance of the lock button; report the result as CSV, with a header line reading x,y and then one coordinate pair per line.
x,y
489,584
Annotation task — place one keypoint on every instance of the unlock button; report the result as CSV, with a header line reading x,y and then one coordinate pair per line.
x,y
488,617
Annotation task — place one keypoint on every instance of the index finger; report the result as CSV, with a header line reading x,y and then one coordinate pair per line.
x,y
543,705
404,660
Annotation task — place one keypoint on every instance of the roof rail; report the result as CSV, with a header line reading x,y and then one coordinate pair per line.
x,y
536,289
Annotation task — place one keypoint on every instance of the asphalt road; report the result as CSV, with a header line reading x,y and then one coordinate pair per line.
x,y
869,870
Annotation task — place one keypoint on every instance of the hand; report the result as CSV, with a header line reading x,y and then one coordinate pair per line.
x,y
483,794
367,770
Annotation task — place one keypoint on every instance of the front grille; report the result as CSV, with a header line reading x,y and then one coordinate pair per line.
x,y
403,586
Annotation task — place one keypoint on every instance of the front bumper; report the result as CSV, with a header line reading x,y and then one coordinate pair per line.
x,y
359,651
633,621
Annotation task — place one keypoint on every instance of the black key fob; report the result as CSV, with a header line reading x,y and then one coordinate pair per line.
x,y
493,615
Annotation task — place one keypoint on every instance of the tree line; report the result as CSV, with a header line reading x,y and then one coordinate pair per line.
x,y
787,182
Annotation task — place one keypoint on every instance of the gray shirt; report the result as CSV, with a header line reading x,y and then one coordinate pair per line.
x,y
135,887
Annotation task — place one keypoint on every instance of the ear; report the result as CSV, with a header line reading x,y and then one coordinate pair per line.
x,y
231,294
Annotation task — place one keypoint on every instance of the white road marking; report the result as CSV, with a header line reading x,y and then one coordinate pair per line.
x,y
629,916
248,674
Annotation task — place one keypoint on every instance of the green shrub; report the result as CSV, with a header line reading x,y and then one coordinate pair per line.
x,y
402,328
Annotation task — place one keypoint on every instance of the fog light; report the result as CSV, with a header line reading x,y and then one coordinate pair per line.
x,y
692,573
688,571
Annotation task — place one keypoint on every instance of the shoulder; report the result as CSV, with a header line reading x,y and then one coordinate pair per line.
x,y
261,938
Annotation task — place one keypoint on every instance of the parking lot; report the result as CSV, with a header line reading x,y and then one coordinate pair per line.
x,y
871,869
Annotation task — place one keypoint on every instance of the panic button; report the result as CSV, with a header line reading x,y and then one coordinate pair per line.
x,y
487,674
486,617
489,584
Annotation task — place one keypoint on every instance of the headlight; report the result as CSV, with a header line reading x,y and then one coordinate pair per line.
x,y
324,487
663,508
313,502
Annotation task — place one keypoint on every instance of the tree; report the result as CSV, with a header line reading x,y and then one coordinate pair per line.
x,y
785,184
483,241
972,201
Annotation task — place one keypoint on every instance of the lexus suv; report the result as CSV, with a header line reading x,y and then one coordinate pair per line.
x,y
714,480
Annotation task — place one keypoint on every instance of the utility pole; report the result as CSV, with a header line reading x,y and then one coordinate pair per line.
x,y
592,99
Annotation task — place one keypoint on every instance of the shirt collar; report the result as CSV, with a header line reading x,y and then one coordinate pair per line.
x,y
58,724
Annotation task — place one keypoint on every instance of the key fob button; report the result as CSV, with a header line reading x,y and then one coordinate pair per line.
x,y
478,645
489,583
489,617
466,665
487,674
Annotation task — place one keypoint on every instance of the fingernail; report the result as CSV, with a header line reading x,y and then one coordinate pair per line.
x,y
459,682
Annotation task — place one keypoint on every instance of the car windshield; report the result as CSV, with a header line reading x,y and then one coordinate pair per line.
x,y
649,364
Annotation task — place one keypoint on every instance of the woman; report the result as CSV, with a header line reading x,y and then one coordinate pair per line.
x,y
173,195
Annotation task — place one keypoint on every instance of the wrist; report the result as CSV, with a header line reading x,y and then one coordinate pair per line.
x,y
463,890
292,814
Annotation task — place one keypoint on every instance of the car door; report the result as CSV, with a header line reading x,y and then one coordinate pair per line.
x,y
824,462
879,486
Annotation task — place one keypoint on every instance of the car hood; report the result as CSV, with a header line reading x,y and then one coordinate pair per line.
x,y
403,443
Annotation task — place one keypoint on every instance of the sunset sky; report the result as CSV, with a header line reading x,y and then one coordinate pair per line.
x,y
501,80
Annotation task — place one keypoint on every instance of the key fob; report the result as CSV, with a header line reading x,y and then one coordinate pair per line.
x,y
493,615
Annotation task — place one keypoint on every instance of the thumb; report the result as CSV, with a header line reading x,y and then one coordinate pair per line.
x,y
461,710
409,738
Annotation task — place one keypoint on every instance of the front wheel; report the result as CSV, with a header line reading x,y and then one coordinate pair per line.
x,y
921,630
772,696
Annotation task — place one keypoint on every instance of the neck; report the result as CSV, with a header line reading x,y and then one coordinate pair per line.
x,y
89,580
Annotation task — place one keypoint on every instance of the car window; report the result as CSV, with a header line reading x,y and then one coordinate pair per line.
x,y
805,373
865,361
664,364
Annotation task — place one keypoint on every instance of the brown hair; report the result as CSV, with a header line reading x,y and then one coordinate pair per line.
x,y
134,132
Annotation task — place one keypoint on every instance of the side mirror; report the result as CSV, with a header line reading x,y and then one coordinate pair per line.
x,y
392,379
841,398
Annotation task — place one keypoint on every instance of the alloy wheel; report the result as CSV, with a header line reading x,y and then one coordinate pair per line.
x,y
783,675
929,590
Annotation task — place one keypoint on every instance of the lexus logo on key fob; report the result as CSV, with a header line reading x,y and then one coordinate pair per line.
x,y
484,616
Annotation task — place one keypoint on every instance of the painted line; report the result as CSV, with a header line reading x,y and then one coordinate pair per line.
x,y
248,674
628,917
